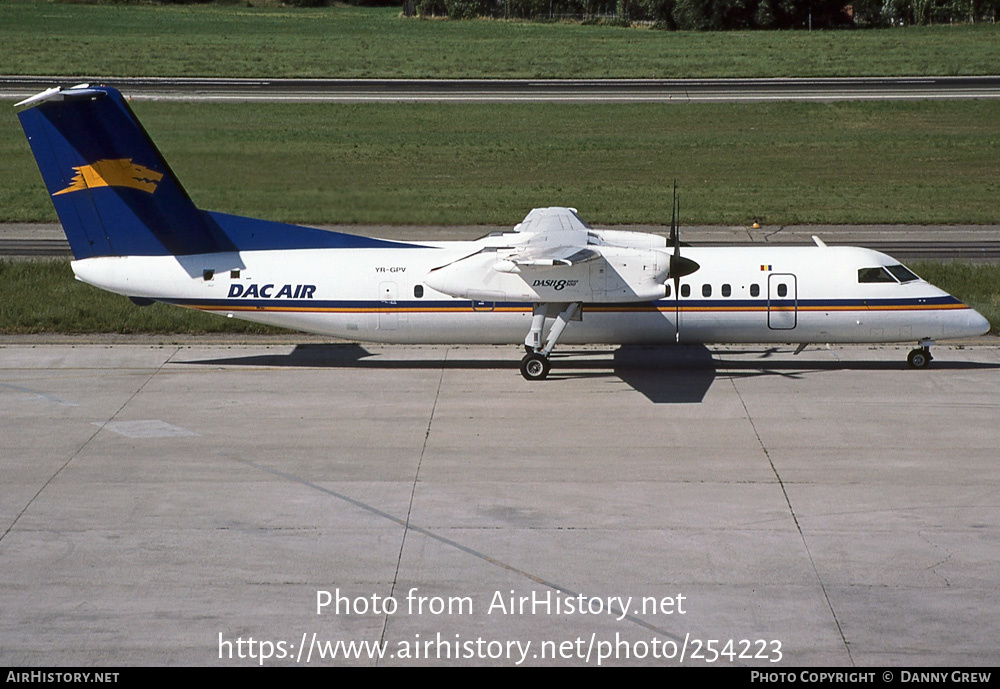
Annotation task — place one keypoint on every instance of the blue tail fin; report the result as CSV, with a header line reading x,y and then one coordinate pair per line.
x,y
113,192
116,196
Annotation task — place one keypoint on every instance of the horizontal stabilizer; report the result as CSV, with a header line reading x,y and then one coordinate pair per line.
x,y
57,93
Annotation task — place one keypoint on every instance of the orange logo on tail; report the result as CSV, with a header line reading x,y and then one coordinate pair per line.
x,y
121,172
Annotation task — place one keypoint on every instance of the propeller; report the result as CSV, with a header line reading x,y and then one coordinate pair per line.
x,y
679,266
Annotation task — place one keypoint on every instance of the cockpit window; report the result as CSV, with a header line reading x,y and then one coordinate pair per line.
x,y
876,274
902,273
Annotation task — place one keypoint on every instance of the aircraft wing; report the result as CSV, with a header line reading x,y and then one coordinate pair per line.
x,y
552,220
555,257
550,237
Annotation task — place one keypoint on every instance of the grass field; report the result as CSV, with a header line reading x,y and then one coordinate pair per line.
x,y
922,162
783,163
38,37
43,297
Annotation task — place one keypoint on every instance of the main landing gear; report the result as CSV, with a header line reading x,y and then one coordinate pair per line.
x,y
535,365
921,356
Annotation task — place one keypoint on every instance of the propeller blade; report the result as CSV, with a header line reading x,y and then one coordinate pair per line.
x,y
674,239
677,310
675,258
679,266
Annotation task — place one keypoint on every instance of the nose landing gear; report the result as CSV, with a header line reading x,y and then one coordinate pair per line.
x,y
921,356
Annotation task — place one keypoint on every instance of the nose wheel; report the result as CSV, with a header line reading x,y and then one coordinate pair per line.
x,y
919,358
535,366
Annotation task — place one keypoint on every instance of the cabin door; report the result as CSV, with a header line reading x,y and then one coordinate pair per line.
x,y
782,301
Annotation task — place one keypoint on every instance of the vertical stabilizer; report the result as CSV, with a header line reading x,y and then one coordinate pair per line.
x,y
112,190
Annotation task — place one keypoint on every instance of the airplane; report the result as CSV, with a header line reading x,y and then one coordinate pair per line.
x,y
134,230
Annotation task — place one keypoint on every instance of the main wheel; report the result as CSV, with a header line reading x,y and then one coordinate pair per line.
x,y
535,366
919,358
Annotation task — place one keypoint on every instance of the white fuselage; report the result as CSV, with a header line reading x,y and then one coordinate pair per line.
x,y
767,294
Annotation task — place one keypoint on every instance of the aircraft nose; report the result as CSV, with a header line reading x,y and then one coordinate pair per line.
x,y
974,323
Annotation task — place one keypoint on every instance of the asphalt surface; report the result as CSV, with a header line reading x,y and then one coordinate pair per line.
x,y
524,90
165,503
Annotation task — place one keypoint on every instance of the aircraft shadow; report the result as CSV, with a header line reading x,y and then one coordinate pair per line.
x,y
665,375
349,356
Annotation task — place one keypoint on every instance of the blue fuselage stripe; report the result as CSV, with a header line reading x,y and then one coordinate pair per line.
x,y
663,304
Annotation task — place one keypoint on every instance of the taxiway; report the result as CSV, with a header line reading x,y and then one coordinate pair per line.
x,y
160,501
823,89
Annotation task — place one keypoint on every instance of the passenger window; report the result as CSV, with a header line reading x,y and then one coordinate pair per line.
x,y
706,290
726,290
669,289
876,274
685,290
755,290
782,290
418,291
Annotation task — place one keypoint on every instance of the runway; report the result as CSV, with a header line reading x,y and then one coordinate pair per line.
x,y
164,503
523,90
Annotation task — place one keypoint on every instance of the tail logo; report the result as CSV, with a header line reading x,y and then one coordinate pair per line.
x,y
121,172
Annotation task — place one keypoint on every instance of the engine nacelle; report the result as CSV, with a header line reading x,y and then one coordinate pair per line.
x,y
619,275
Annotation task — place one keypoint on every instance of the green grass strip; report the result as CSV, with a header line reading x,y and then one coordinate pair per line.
x,y
240,41
976,284
43,297
782,163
